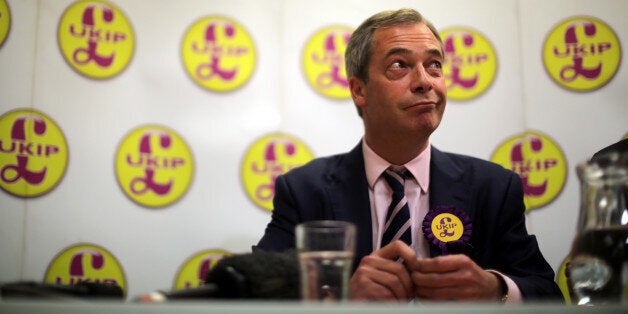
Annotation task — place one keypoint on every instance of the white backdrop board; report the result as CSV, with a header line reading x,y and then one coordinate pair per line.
x,y
215,213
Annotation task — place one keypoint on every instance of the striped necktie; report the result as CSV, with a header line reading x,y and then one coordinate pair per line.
x,y
398,216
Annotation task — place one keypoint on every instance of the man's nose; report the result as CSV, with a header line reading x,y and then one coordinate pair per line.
x,y
421,80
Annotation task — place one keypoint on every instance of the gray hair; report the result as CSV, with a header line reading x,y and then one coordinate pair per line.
x,y
360,47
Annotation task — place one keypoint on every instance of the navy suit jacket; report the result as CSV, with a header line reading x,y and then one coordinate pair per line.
x,y
335,188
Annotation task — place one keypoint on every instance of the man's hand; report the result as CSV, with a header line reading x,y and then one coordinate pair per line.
x,y
380,276
453,277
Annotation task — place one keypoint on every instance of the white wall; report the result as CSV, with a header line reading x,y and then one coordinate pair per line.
x,y
215,213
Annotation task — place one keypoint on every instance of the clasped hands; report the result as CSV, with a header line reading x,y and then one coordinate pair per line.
x,y
394,272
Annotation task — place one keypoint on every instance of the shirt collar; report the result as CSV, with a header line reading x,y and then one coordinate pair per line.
x,y
376,165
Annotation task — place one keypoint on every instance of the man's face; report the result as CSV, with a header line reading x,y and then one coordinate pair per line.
x,y
406,92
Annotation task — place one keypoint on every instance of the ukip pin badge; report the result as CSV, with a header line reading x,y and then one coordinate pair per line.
x,y
449,228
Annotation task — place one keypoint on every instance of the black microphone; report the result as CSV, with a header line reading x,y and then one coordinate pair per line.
x,y
258,275
82,290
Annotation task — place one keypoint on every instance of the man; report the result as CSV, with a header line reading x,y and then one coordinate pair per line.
x,y
394,64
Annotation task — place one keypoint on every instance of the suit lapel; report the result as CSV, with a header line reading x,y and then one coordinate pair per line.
x,y
447,186
348,194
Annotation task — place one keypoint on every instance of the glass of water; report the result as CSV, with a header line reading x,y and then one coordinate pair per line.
x,y
326,250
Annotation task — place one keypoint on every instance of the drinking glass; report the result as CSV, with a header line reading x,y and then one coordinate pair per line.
x,y
325,250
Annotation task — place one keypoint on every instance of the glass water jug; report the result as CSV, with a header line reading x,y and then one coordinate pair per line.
x,y
597,272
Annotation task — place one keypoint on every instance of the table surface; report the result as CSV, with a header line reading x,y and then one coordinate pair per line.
x,y
67,307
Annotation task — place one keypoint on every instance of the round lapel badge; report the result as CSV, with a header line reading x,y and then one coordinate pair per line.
x,y
449,228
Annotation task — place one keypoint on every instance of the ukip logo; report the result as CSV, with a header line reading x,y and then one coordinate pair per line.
x,y
33,153
218,54
5,21
540,163
470,63
265,160
194,270
83,263
582,54
324,63
154,166
95,38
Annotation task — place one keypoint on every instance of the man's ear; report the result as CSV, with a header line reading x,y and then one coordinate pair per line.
x,y
357,89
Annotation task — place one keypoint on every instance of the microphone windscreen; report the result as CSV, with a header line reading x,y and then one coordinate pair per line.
x,y
258,275
82,290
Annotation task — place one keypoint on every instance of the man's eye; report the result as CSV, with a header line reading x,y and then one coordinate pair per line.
x,y
397,70
436,64
397,64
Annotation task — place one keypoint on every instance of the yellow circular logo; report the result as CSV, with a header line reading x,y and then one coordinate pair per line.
x,y
33,153
96,39
267,158
562,280
470,63
154,166
218,53
194,270
582,53
324,61
85,263
5,21
447,227
540,163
